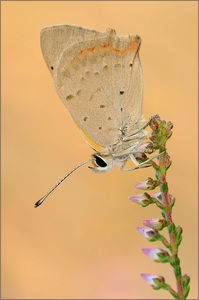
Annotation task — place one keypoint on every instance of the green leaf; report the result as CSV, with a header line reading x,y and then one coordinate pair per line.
x,y
171,227
164,187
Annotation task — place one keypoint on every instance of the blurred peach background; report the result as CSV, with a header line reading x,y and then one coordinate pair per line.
x,y
82,242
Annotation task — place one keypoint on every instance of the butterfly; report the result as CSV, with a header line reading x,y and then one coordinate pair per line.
x,y
98,77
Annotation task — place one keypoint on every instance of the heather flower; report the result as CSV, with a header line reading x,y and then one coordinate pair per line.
x,y
158,255
161,132
142,199
155,223
148,233
154,281
157,196
148,184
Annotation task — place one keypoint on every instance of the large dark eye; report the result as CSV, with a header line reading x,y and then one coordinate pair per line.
x,y
100,162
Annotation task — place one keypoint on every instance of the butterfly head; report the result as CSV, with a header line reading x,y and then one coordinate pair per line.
x,y
102,162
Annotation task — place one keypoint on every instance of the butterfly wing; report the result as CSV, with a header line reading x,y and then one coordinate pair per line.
x,y
56,39
99,79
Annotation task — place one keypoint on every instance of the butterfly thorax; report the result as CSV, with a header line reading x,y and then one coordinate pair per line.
x,y
118,154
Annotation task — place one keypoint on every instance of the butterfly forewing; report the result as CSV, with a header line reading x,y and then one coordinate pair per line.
x,y
98,77
58,38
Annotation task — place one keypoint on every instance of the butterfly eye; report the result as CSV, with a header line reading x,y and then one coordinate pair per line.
x,y
100,162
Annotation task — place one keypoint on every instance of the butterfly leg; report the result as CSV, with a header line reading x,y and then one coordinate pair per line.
x,y
134,160
137,165
136,133
149,120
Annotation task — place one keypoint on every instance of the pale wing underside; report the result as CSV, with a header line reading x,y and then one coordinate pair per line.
x,y
56,39
99,79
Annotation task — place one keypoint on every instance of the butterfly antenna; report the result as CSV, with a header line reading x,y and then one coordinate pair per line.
x,y
40,201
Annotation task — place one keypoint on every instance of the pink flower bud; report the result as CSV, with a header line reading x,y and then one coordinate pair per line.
x,y
154,123
158,255
154,280
157,196
168,127
141,199
150,234
148,184
155,223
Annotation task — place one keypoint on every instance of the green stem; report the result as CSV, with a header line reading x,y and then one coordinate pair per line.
x,y
168,217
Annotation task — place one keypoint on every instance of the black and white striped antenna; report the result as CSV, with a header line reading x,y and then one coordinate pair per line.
x,y
40,201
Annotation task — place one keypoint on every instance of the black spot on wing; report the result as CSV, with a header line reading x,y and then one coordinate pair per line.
x,y
79,92
69,97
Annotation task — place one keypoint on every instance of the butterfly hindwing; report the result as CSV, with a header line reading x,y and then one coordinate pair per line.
x,y
99,79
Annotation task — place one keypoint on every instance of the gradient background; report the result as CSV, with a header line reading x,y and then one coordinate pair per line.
x,y
82,242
